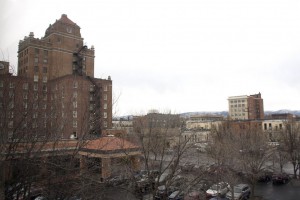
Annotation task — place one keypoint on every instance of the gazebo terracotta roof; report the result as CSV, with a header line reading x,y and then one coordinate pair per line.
x,y
110,143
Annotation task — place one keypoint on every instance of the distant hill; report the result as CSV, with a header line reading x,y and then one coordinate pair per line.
x,y
188,114
223,113
294,112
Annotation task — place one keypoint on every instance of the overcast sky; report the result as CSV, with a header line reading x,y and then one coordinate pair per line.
x,y
178,55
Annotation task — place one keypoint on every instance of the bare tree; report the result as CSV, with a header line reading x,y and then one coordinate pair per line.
x,y
164,151
290,139
242,149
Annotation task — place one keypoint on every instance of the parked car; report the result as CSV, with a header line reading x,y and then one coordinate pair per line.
x,y
201,147
143,185
265,176
194,195
163,192
178,181
240,192
176,195
117,180
280,178
162,178
187,167
219,189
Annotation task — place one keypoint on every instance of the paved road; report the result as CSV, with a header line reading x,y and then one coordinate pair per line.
x,y
289,191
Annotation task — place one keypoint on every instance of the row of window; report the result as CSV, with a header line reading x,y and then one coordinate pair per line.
x,y
237,114
11,84
25,53
10,123
237,105
36,69
238,101
75,85
36,60
37,51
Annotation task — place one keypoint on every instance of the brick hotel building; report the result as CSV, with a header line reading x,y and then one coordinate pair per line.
x,y
54,93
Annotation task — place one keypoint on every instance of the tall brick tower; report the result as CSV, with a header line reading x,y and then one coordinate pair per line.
x,y
55,92
56,54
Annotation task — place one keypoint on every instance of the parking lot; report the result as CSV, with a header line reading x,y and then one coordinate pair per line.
x,y
190,167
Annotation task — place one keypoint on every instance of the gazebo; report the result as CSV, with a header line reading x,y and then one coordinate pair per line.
x,y
107,148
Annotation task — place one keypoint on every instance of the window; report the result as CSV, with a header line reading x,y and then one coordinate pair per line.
x,y
36,51
91,106
11,94
44,87
1,93
25,86
35,115
36,60
45,60
11,114
10,124
36,96
45,70
105,106
74,124
35,78
74,114
45,53
25,95
75,84
105,124
45,96
74,104
1,83
25,105
44,79
105,96
24,124
36,69
75,94
91,88
35,87
105,114
34,124
265,126
105,87
11,85
44,106
11,105
35,106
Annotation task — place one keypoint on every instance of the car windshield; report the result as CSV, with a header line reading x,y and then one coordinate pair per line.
x,y
237,190
215,187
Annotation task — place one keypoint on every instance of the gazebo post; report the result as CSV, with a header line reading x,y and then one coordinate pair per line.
x,y
105,168
82,164
135,162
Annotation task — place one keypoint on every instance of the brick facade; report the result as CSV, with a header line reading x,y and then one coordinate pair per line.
x,y
55,93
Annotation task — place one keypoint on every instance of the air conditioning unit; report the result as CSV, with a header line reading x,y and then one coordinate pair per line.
x,y
73,136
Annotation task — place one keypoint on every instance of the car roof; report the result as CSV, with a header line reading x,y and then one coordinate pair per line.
x,y
241,185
